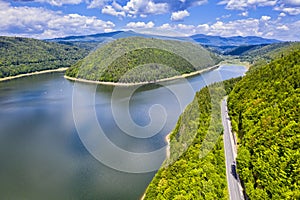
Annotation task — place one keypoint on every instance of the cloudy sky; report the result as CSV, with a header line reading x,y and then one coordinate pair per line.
x,y
279,19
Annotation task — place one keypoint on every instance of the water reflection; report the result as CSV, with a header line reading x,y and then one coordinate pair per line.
x,y
41,154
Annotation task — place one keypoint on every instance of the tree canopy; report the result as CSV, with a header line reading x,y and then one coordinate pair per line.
x,y
138,59
195,168
25,55
264,107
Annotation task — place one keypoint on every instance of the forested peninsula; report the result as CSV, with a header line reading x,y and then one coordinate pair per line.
x,y
139,59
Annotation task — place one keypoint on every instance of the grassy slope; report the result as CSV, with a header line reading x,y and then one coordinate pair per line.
x,y
117,60
24,55
264,108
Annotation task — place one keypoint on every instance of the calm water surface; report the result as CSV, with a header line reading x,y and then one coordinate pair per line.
x,y
42,156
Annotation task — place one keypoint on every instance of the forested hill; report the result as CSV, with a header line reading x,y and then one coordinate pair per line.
x,y
24,55
195,168
264,107
138,59
263,54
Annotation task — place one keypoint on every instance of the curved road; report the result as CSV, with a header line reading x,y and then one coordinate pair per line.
x,y
234,186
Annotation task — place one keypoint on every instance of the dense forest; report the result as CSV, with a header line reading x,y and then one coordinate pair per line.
x,y
154,65
195,167
263,54
24,55
264,108
137,59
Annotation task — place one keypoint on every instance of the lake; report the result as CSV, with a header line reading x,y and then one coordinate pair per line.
x,y
50,141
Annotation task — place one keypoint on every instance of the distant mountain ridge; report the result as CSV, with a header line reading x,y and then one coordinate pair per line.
x,y
93,37
231,41
207,40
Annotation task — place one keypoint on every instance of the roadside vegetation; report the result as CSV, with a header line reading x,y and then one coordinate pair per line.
x,y
195,168
264,108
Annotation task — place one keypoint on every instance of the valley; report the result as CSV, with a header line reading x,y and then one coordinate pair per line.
x,y
187,79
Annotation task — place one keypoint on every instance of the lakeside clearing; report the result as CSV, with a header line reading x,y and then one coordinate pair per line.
x,y
142,83
33,73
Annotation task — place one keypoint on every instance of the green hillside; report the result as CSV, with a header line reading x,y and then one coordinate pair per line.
x,y
24,55
199,173
265,108
262,55
137,59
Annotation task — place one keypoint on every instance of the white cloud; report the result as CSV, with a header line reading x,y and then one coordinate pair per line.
x,y
111,11
255,27
291,7
43,23
263,27
288,10
98,3
176,5
136,7
165,26
244,14
241,27
243,4
156,8
134,25
203,28
238,27
265,18
282,15
292,2
60,2
292,11
143,8
176,16
223,17
283,27
133,8
185,27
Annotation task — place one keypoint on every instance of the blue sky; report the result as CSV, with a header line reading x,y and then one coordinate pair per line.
x,y
279,19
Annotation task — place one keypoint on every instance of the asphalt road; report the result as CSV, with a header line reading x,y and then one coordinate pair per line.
x,y
234,186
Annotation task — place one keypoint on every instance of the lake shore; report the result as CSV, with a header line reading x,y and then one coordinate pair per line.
x,y
247,65
142,83
167,139
33,73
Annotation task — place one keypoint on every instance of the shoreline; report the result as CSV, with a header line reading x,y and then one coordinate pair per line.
x,y
142,83
34,73
167,139
245,64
